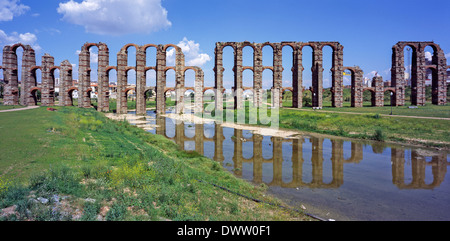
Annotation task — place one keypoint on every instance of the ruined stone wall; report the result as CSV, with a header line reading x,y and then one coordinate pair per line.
x,y
29,82
277,69
48,80
418,73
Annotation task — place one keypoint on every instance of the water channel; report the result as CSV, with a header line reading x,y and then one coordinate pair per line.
x,y
334,178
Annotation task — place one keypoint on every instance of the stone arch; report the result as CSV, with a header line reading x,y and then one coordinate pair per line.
x,y
285,96
373,95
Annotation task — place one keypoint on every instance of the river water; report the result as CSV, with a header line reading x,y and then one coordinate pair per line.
x,y
333,178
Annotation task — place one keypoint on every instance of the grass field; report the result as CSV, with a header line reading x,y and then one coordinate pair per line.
x,y
89,167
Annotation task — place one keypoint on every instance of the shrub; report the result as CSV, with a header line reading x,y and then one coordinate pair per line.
x,y
379,135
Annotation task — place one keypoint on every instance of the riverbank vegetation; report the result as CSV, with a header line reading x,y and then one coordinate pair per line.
x,y
75,164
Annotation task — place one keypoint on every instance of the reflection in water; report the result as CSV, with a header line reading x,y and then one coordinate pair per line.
x,y
292,162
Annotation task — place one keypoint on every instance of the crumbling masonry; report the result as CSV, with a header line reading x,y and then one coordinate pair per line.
x,y
29,83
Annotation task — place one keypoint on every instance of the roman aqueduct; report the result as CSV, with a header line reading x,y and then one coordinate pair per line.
x,y
29,82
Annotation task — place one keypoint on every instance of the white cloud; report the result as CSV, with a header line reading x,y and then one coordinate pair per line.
x,y
428,56
10,9
447,56
372,74
116,17
14,38
191,51
94,56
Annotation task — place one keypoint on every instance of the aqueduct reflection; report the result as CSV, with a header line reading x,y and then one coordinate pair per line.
x,y
203,136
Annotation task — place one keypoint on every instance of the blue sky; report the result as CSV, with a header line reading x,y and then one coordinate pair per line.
x,y
366,29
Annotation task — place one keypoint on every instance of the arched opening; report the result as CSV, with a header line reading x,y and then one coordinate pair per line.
x,y
189,98
36,94
327,97
431,84
307,62
247,78
170,78
209,98
130,93
287,98
150,56
267,85
150,85
307,98
131,56
228,77
389,98
267,55
189,78
287,61
171,54
247,82
369,98
248,97
111,76
170,98
247,56
410,63
55,79
327,58
73,94
347,91
131,89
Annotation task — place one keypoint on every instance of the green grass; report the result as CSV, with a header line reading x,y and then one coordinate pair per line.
x,y
96,166
131,105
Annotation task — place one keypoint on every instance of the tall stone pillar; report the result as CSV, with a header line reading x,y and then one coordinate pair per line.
x,y
48,80
218,143
199,134
337,162
84,79
317,162
338,76
297,78
357,87
103,78
297,162
65,83
198,91
439,91
160,80
11,79
257,158
218,69
277,159
277,75
398,75
418,89
317,76
28,82
140,82
122,106
257,75
378,85
237,157
180,88
238,70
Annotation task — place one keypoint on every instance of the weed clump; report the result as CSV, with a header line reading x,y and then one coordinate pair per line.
x,y
379,135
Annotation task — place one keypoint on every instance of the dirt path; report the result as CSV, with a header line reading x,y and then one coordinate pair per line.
x,y
20,109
